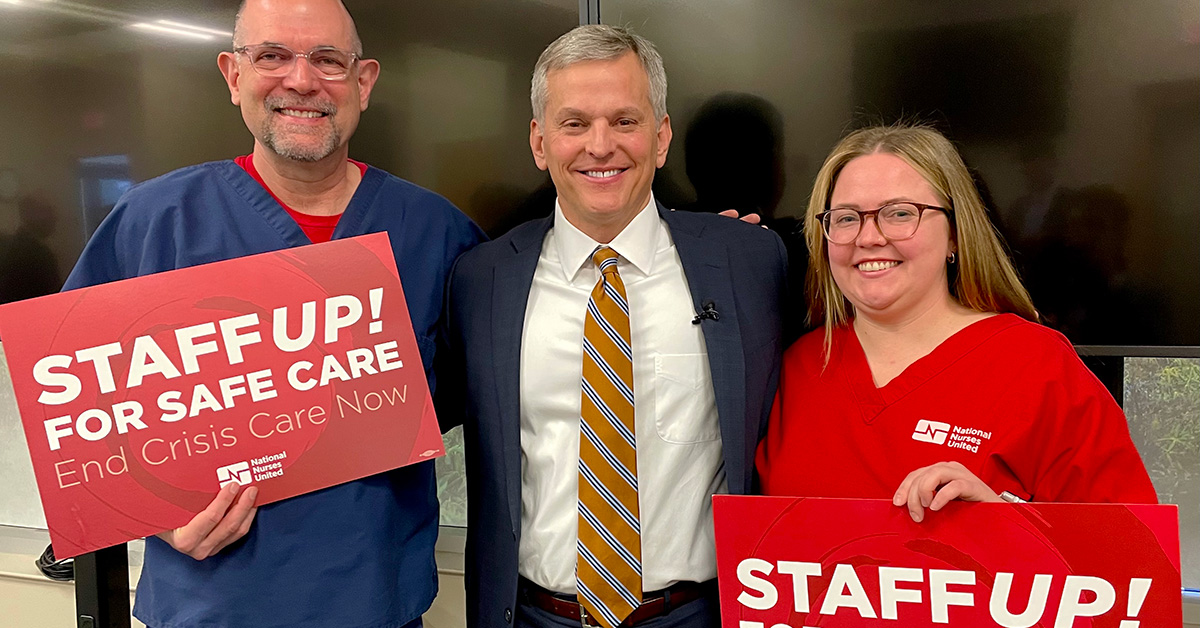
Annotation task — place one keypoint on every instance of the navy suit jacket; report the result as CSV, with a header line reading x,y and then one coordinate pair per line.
x,y
740,268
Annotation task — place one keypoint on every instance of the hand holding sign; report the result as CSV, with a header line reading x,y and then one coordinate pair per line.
x,y
290,371
934,486
217,526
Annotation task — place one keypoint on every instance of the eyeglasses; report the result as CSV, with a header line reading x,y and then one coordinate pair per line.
x,y
274,60
895,221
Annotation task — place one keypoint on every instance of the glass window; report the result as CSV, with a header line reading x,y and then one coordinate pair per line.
x,y
1162,403
452,481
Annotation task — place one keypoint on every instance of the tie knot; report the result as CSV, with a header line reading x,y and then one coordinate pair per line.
x,y
605,259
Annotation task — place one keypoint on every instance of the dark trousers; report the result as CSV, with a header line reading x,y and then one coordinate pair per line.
x,y
702,613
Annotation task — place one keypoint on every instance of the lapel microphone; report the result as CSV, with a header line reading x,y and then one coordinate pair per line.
x,y
708,312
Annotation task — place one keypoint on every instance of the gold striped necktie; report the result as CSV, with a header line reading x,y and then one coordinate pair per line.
x,y
609,565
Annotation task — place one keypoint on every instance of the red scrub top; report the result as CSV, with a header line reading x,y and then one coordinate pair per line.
x,y
1007,398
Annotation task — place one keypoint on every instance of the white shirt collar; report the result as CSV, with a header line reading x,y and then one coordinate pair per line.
x,y
636,243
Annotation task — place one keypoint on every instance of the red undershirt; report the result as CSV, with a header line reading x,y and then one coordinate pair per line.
x,y
317,228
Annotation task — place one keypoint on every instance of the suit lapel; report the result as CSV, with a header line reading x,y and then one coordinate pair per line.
x,y
512,279
706,266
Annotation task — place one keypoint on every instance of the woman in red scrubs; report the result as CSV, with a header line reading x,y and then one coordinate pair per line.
x,y
928,379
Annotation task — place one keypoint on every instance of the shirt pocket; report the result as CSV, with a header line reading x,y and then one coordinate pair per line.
x,y
685,406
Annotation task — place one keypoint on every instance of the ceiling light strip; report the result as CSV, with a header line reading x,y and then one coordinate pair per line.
x,y
179,32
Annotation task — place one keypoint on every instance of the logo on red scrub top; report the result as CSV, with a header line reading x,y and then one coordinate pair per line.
x,y
952,436
931,432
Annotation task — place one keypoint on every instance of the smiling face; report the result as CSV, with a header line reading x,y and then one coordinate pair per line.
x,y
600,142
890,280
299,116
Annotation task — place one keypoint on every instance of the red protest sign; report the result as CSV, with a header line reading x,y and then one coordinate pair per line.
x,y
293,370
785,562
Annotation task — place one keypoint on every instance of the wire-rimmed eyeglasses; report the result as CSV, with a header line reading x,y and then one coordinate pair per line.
x,y
276,60
895,221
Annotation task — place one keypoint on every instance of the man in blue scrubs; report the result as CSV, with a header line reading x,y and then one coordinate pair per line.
x,y
358,555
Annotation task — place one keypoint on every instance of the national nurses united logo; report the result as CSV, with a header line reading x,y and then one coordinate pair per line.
x,y
931,431
237,472
952,436
254,470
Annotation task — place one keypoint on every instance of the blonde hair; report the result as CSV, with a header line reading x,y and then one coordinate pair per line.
x,y
983,278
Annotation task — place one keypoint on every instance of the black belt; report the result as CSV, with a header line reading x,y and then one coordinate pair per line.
x,y
654,603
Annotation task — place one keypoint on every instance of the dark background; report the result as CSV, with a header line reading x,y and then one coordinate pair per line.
x,y
1081,118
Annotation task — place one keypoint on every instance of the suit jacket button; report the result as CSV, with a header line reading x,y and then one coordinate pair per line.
x,y
508,615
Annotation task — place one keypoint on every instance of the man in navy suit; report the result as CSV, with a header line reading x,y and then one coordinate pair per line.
x,y
620,361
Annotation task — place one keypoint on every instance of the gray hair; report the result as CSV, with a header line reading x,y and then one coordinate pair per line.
x,y
598,42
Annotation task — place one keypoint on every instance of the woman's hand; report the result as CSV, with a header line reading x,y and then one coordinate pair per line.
x,y
934,486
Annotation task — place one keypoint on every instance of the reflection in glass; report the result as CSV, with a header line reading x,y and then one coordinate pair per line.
x,y
102,181
1080,118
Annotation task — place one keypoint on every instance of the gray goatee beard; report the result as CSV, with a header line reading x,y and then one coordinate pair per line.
x,y
288,144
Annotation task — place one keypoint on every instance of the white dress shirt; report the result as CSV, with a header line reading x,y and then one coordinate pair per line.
x,y
679,459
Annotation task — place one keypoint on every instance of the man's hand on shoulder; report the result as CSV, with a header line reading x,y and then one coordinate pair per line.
x,y
226,520
753,219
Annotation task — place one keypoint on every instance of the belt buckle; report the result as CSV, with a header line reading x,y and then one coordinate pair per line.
x,y
583,616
